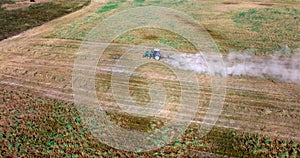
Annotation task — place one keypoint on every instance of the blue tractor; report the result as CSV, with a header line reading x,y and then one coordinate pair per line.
x,y
155,54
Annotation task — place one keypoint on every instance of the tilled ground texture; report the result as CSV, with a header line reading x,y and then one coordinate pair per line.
x,y
260,117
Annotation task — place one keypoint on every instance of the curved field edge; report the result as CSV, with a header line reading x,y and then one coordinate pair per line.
x,y
16,21
39,126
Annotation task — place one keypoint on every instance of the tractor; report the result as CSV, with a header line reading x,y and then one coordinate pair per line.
x,y
155,54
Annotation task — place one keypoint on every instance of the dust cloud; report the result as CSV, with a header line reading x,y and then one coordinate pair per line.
x,y
283,65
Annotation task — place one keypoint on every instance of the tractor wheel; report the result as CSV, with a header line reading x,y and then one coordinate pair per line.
x,y
157,57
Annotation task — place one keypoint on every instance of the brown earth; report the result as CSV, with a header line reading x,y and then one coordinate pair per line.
x,y
45,66
22,4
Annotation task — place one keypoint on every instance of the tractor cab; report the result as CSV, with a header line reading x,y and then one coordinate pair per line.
x,y
156,54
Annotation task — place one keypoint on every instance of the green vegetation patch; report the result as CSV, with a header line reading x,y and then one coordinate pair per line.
x,y
42,127
263,29
270,28
139,1
152,35
108,7
6,2
239,144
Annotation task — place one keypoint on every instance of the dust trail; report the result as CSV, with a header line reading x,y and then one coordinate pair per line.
x,y
284,67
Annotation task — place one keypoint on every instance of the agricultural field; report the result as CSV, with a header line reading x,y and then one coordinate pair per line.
x,y
40,115
20,15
